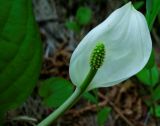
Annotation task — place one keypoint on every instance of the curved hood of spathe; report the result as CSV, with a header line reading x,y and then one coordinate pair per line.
x,y
128,45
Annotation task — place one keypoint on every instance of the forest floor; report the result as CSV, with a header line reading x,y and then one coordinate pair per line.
x,y
126,101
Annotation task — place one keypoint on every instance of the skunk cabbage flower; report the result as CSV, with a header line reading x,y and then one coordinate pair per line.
x,y
127,41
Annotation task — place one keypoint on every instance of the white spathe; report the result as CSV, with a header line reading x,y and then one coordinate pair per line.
x,y
128,45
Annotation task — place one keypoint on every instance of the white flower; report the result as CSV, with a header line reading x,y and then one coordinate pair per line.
x,y
128,45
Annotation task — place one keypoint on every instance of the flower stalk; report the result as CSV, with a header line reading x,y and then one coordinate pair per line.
x,y
126,35
95,63
70,101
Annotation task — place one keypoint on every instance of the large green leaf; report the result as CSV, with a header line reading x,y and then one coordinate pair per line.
x,y
153,8
149,77
156,93
157,111
138,4
55,91
151,61
20,52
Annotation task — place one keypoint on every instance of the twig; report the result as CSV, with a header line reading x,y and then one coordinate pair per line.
x,y
152,99
30,120
24,118
147,118
76,112
117,110
105,101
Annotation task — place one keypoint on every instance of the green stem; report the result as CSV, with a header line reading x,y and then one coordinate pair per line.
x,y
153,105
70,101
152,99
